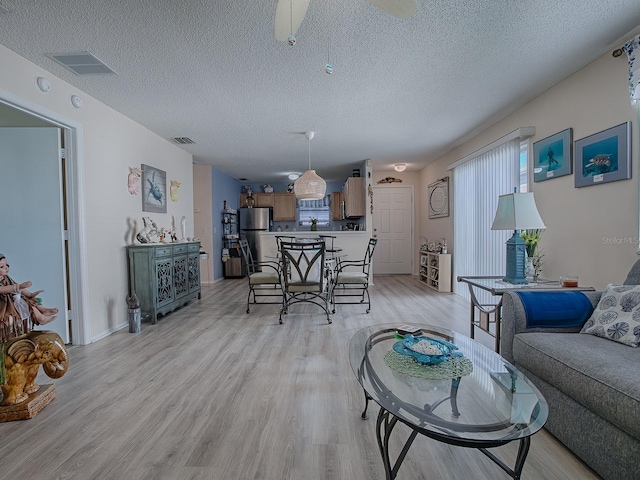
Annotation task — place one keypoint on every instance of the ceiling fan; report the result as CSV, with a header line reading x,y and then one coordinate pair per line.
x,y
290,13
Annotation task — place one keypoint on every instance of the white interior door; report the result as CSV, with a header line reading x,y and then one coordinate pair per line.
x,y
393,226
32,226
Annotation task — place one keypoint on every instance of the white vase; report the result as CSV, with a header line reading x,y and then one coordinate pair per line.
x,y
529,271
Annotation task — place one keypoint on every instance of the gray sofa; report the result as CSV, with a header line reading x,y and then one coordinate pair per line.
x,y
592,385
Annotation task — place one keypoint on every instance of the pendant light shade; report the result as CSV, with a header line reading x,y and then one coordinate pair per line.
x,y
310,186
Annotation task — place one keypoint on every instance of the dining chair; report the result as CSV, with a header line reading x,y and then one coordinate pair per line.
x,y
351,278
329,242
284,238
265,278
304,270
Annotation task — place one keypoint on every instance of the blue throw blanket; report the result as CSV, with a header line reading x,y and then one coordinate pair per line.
x,y
556,309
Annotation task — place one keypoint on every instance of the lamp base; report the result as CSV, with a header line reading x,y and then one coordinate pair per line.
x,y
516,260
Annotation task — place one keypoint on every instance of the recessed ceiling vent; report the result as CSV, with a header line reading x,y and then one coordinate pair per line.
x,y
183,140
81,63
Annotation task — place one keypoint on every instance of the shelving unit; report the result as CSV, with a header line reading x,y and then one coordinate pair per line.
x,y
231,245
435,270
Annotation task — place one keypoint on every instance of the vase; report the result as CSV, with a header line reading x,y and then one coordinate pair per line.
x,y
529,271
314,227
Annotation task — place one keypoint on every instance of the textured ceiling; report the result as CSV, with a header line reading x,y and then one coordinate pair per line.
x,y
402,90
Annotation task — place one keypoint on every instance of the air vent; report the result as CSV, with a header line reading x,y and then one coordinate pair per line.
x,y
183,140
81,63
243,179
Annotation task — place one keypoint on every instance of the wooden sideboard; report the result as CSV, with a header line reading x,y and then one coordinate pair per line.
x,y
164,276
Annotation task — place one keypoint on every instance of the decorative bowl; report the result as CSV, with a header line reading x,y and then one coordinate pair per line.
x,y
426,350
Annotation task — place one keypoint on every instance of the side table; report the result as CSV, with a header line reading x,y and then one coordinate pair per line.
x,y
490,314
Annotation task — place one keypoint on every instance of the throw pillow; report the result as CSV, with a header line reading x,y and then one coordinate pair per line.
x,y
617,316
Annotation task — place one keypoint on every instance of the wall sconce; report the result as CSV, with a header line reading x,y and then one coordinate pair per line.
x,y
400,167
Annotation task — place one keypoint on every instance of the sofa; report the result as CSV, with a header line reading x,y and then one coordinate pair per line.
x,y
592,384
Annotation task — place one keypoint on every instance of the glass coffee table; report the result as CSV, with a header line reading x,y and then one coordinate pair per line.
x,y
474,398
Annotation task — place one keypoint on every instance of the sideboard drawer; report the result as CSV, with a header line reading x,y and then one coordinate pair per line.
x,y
179,249
162,251
194,247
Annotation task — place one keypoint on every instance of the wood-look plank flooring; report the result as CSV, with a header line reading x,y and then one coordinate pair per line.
x,y
210,392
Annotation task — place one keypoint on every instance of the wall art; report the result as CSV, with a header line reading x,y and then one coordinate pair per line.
x,y
438,198
603,157
154,190
552,156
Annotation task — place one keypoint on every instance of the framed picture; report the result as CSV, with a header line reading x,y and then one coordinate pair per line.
x,y
423,260
154,190
552,156
603,157
438,193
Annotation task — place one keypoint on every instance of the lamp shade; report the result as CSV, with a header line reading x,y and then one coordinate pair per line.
x,y
310,186
517,211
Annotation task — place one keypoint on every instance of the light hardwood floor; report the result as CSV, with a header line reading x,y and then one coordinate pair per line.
x,y
213,393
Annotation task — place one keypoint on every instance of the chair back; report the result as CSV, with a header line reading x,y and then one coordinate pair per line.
x,y
284,238
303,264
248,256
368,255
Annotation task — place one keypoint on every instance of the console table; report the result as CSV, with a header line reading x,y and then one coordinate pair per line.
x,y
164,276
490,314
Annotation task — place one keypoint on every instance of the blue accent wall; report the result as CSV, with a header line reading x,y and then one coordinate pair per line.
x,y
223,187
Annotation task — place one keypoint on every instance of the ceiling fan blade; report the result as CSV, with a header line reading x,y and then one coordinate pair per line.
x,y
289,16
397,8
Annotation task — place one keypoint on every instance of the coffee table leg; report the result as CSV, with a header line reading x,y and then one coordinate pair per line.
x,y
455,382
384,426
364,415
521,457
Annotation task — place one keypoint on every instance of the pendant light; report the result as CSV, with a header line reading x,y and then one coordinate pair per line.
x,y
310,186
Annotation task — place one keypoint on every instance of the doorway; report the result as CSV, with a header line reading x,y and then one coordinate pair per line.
x,y
71,258
393,227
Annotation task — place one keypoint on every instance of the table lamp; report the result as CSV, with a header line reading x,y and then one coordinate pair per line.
x,y
516,211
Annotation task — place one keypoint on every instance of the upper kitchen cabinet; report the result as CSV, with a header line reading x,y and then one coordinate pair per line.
x,y
284,207
354,198
259,200
336,206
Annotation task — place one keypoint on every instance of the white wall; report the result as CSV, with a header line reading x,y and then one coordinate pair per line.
x,y
111,143
203,218
582,224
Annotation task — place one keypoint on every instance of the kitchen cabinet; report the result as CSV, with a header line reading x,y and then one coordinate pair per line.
x,y
259,200
336,206
164,277
284,207
354,197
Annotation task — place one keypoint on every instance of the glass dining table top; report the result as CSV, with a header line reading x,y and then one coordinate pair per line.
x,y
489,403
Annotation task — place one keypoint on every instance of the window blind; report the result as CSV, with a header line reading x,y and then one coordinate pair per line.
x,y
477,184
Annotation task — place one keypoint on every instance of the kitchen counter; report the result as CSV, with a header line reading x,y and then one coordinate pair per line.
x,y
353,243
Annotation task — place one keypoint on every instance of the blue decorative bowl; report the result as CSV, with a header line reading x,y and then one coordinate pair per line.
x,y
411,347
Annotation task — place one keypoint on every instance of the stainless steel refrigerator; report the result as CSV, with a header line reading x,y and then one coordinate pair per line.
x,y
252,222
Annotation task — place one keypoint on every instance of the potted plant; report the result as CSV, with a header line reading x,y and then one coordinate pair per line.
x,y
314,224
531,238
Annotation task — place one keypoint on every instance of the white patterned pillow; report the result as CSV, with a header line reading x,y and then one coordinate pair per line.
x,y
617,316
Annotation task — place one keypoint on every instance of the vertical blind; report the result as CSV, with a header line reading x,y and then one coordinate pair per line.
x,y
480,251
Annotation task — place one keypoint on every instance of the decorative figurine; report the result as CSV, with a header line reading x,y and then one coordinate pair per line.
x,y
24,350
150,229
133,180
173,190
